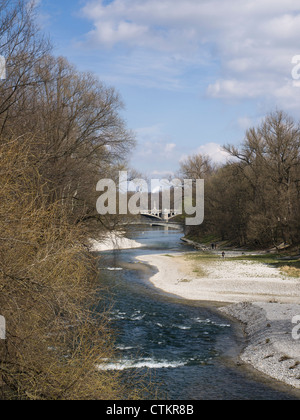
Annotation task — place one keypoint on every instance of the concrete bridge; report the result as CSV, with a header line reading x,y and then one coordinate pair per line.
x,y
164,215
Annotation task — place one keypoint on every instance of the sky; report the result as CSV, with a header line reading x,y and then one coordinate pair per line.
x,y
194,75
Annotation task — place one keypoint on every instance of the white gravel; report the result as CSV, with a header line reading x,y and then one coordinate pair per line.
x,y
264,300
113,241
223,280
271,347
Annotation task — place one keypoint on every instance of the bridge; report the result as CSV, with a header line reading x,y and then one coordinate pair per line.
x,y
164,215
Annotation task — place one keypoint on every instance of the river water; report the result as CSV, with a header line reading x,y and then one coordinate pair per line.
x,y
187,347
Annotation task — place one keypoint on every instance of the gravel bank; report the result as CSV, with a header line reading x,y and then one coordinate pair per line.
x,y
271,348
114,241
225,281
251,287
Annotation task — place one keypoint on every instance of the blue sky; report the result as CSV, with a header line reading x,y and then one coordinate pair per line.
x,y
193,74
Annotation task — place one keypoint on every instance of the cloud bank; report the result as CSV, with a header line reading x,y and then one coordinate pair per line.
x,y
249,45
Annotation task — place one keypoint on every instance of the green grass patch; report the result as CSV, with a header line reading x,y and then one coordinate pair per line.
x,y
200,272
184,281
288,267
291,270
263,259
202,256
200,261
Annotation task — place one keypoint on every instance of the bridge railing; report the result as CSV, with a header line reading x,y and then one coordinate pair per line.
x,y
162,214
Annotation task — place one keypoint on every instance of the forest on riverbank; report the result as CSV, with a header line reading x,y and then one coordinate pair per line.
x,y
60,132
253,199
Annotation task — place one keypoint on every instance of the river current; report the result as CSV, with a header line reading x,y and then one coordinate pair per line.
x,y
188,348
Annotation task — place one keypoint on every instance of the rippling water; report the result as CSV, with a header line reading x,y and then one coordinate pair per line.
x,y
188,348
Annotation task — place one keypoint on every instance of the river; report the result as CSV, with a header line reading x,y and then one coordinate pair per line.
x,y
188,348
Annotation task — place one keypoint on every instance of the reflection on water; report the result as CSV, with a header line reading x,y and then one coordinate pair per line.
x,y
189,348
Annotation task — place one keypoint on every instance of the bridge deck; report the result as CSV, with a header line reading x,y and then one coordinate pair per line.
x,y
159,214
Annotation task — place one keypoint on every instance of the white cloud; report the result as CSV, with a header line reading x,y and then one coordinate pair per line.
x,y
169,147
154,143
251,41
213,150
193,22
109,33
162,174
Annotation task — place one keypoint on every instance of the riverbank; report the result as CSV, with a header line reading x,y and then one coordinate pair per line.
x,y
261,297
271,348
210,278
113,241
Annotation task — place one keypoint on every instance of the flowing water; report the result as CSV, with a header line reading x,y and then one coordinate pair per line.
x,y
188,348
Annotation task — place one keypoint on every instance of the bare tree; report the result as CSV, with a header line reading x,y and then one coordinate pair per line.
x,y
60,131
23,47
196,167
270,159
49,286
255,198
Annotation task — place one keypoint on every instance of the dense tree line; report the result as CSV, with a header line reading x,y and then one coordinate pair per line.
x,y
254,199
60,132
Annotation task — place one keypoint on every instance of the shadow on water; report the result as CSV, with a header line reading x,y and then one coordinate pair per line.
x,y
189,348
